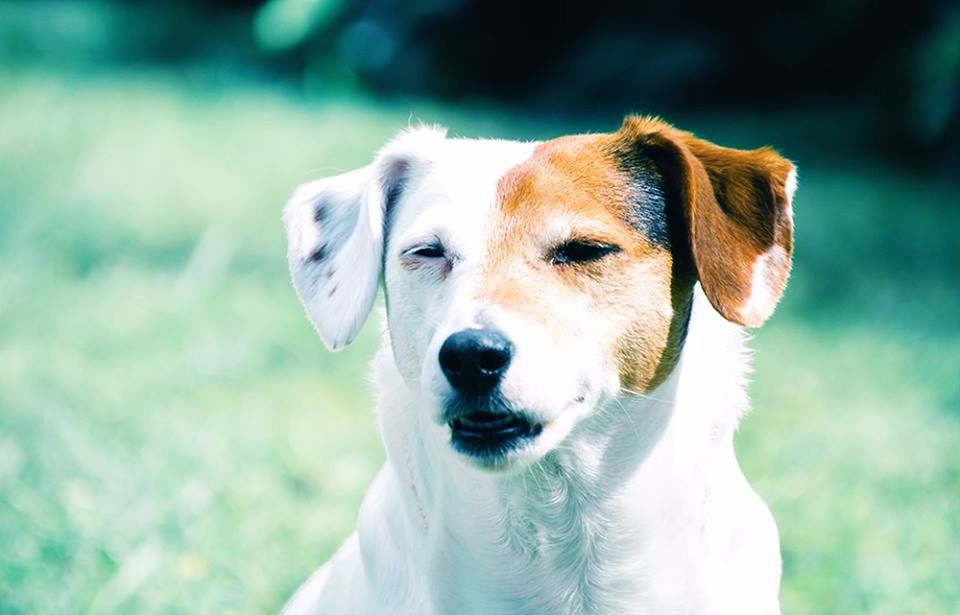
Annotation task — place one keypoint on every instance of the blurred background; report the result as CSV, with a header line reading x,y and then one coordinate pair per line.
x,y
173,436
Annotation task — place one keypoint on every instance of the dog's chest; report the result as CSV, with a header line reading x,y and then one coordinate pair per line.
x,y
560,558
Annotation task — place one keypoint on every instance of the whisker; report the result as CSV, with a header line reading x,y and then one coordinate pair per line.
x,y
328,169
645,395
630,417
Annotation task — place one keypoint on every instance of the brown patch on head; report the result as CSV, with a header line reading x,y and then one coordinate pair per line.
x,y
678,208
580,189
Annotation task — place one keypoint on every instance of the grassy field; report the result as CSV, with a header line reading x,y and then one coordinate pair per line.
x,y
174,438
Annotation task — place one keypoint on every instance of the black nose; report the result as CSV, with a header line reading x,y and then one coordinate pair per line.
x,y
474,360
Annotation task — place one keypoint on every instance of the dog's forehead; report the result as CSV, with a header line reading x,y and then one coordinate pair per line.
x,y
583,163
569,178
453,185
464,183
468,170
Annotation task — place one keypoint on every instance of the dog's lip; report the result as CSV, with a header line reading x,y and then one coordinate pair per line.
x,y
492,435
489,425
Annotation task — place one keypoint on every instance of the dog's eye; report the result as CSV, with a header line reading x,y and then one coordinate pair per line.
x,y
573,252
430,250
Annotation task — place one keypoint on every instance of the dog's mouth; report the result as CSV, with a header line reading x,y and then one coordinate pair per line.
x,y
489,434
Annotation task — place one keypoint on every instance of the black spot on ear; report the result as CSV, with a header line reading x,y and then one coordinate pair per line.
x,y
330,272
319,255
332,291
320,213
395,183
393,193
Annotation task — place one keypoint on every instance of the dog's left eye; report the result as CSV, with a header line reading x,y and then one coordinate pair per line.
x,y
576,251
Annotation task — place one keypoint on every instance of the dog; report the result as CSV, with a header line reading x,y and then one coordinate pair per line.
x,y
562,371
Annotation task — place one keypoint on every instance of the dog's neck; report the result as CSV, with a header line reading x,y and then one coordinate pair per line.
x,y
605,518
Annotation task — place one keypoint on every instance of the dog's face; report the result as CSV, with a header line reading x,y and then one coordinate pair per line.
x,y
527,284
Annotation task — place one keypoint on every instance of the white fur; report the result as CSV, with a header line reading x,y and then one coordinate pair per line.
x,y
764,284
790,187
338,292
626,503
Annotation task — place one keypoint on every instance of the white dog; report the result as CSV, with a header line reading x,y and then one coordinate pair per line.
x,y
563,371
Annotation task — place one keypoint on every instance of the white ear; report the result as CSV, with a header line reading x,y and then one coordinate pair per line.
x,y
335,236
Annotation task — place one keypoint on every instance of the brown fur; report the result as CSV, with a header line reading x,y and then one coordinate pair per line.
x,y
733,207
577,180
736,207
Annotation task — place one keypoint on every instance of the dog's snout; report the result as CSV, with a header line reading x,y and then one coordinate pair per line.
x,y
474,360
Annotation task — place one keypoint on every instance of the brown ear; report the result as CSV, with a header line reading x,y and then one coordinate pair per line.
x,y
737,207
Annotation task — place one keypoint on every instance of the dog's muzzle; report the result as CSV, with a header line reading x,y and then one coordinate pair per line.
x,y
481,422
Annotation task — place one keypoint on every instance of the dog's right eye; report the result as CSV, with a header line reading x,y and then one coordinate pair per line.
x,y
427,255
433,250
424,254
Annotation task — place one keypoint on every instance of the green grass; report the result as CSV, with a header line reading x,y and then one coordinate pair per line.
x,y
174,438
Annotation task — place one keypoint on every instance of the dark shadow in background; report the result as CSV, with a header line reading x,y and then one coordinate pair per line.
x,y
889,73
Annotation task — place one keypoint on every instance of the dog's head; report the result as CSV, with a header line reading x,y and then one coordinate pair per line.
x,y
528,282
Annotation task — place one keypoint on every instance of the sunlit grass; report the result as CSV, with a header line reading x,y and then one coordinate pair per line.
x,y
174,438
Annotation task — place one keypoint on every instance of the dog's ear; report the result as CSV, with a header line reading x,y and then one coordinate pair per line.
x,y
737,209
336,232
